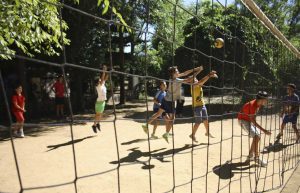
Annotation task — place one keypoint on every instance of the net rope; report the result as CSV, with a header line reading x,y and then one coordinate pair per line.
x,y
287,159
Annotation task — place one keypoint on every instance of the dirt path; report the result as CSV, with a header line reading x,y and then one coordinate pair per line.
x,y
47,165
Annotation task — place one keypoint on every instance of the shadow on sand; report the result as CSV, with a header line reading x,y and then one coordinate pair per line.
x,y
276,147
136,154
228,169
53,147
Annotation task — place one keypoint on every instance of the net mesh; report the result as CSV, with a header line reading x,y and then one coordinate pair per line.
x,y
232,70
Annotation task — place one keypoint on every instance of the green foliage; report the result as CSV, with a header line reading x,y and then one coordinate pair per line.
x,y
106,5
31,27
260,54
162,20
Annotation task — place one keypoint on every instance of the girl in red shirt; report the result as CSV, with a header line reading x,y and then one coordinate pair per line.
x,y
59,89
18,109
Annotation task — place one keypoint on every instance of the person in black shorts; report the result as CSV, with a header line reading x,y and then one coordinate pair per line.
x,y
174,92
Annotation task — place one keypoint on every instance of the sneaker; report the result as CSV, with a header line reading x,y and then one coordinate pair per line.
x,y
145,128
21,134
166,137
193,138
154,136
249,158
98,126
94,128
261,162
18,135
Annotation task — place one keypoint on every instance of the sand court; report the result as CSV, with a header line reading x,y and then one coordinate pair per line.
x,y
46,160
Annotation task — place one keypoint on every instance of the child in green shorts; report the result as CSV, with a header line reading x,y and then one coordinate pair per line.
x,y
100,102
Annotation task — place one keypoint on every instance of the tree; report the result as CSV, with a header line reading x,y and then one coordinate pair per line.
x,y
162,21
30,27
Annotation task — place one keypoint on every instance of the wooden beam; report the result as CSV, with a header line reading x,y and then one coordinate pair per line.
x,y
258,13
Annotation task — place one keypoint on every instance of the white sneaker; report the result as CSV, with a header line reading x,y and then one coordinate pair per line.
x,y
261,162
21,134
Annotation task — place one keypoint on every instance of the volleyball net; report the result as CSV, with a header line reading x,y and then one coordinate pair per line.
x,y
243,67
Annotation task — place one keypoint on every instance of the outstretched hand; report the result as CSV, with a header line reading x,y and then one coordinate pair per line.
x,y
200,68
267,132
213,74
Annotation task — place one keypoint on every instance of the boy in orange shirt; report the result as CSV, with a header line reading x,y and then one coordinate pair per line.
x,y
247,121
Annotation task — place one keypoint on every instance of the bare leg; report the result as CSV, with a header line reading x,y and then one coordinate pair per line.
x,y
206,125
168,127
170,122
16,128
97,118
254,147
296,131
155,116
195,128
282,128
155,126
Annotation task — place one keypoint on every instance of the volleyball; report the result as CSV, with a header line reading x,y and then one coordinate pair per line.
x,y
219,43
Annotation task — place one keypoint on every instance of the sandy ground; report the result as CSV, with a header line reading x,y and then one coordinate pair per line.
x,y
292,185
46,160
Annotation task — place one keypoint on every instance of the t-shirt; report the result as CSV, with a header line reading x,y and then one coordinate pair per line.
x,y
59,88
248,111
197,95
174,90
101,91
159,97
182,94
291,104
20,100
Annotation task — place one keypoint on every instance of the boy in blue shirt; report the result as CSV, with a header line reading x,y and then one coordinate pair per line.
x,y
157,103
290,111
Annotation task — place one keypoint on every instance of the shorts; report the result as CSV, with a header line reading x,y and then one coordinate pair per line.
x,y
200,114
249,128
19,116
59,100
168,106
99,106
155,110
290,118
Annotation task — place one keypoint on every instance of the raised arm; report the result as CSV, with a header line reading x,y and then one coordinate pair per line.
x,y
191,78
206,78
103,75
186,73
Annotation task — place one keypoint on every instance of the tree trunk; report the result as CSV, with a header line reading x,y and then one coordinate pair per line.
x,y
122,69
22,76
130,84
